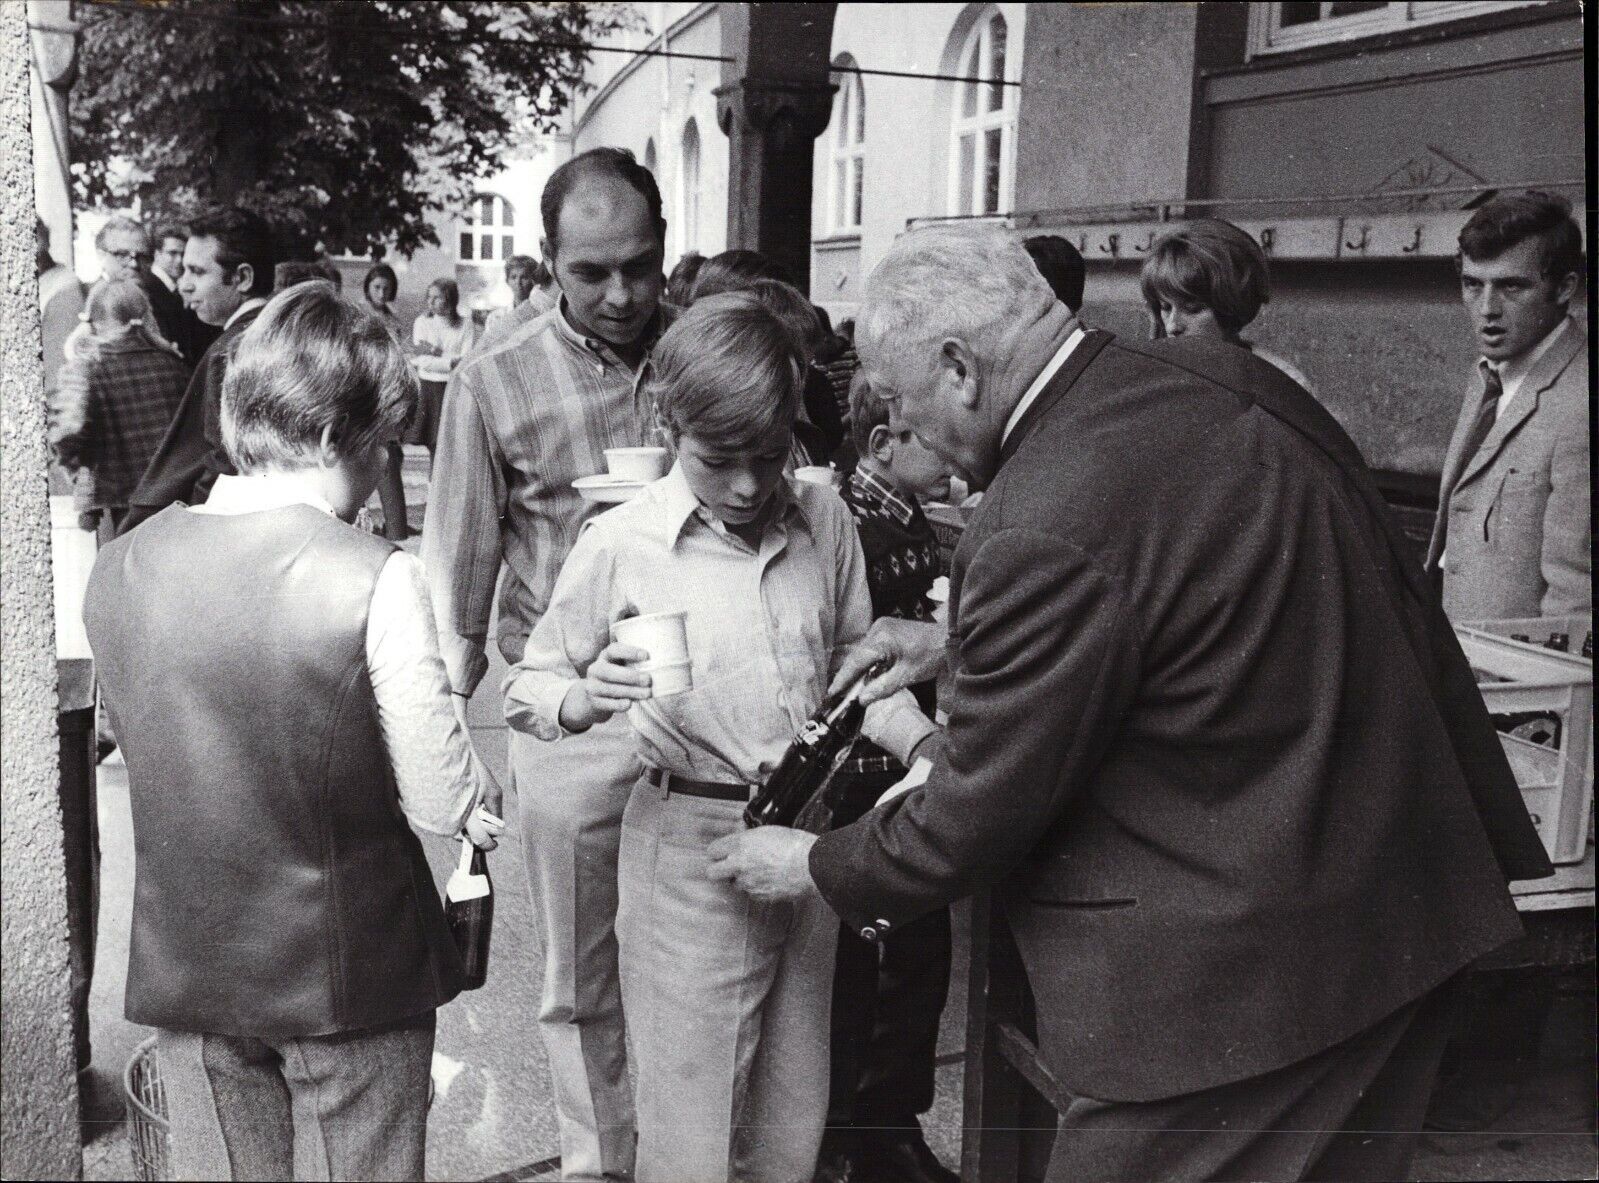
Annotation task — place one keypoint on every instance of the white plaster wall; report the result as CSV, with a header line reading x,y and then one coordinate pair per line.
x,y
637,100
907,127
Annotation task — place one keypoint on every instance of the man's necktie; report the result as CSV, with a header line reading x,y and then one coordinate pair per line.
x,y
1487,411
1487,414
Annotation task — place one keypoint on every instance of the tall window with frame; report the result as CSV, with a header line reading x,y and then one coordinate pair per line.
x,y
688,179
488,234
983,129
847,144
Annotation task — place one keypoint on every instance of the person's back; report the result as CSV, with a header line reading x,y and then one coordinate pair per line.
x,y
1265,676
285,722
118,397
245,714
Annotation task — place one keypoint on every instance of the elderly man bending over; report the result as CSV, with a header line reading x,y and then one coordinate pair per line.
x,y
1211,739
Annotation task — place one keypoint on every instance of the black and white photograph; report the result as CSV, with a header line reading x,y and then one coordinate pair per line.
x,y
797,593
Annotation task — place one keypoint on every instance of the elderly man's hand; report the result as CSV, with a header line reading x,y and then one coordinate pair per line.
x,y
916,649
766,863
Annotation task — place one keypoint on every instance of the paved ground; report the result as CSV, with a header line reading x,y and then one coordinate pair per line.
x,y
492,1116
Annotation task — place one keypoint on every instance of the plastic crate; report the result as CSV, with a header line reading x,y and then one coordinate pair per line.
x,y
1538,629
148,1128
1519,678
1537,770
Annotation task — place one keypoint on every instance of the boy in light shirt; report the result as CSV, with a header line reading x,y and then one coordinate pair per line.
x,y
727,999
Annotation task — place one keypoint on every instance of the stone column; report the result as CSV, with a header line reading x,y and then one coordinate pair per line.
x,y
39,1137
777,100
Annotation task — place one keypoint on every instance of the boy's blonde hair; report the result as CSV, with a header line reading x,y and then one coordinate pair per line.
x,y
310,362
727,372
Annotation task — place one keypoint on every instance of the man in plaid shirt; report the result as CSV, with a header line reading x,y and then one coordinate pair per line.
x,y
886,1005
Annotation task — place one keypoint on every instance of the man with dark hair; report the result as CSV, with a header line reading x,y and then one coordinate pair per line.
x,y
1512,534
1061,265
228,264
523,417
177,323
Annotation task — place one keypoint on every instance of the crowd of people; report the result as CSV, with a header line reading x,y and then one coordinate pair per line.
x,y
1204,728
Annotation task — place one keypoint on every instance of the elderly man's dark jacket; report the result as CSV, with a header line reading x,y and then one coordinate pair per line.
x,y
1210,737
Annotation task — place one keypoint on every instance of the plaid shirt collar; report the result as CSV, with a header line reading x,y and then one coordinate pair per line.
x,y
877,493
680,506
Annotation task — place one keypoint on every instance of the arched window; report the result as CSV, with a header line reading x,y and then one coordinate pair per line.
x,y
847,146
488,233
688,204
983,139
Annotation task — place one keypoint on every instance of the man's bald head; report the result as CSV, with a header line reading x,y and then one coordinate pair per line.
x,y
600,176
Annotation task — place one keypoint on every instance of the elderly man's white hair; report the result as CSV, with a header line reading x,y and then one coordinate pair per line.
x,y
951,280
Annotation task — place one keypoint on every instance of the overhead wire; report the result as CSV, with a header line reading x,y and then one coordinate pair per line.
x,y
133,7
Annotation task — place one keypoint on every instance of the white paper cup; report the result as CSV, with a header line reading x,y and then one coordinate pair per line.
x,y
816,474
636,464
670,677
663,635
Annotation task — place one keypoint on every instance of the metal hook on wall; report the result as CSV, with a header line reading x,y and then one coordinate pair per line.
x,y
1414,245
1359,245
1111,245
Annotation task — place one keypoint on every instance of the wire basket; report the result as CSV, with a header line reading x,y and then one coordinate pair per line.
x,y
148,1128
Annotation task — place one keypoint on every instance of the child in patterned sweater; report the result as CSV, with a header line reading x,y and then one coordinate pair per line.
x,y
886,1005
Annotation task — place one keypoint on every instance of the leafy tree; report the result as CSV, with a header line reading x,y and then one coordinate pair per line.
x,y
347,123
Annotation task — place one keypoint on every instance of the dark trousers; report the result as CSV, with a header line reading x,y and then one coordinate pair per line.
x,y
1350,1113
888,996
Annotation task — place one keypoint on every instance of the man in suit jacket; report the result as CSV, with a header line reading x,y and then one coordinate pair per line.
x,y
1211,739
1513,535
228,265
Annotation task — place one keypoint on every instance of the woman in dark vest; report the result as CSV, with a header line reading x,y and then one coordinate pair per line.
x,y
274,677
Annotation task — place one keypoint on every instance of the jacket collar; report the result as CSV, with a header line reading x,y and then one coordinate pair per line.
x,y
1567,345
1076,359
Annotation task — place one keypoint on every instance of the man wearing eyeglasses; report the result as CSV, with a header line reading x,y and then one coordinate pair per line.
x,y
124,248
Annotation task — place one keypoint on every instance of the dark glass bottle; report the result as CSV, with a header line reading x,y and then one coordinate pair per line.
x,y
813,757
1559,642
469,911
1587,645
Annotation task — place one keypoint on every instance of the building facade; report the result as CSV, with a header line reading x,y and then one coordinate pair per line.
x,y
1351,138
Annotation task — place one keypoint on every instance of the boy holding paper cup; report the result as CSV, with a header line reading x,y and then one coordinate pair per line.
x,y
727,999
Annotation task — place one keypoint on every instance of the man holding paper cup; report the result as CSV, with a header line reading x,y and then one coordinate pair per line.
x,y
524,417
1211,739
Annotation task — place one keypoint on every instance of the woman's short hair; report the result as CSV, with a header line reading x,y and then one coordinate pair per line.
x,y
448,289
728,371
1211,264
735,271
377,272
310,362
680,284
